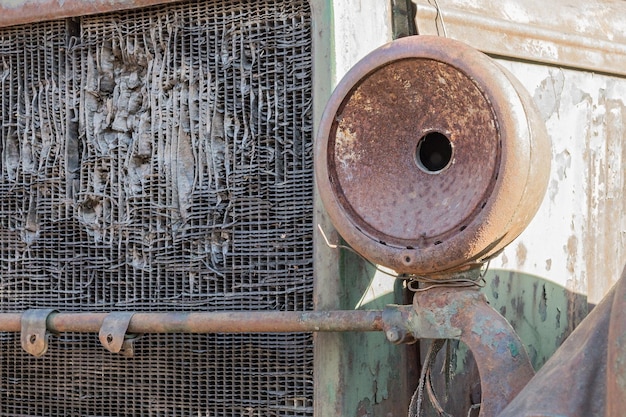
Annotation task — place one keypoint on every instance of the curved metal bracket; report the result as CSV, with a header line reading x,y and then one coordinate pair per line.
x,y
35,335
113,335
465,314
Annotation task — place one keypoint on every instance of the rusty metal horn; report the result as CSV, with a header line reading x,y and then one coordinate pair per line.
x,y
430,157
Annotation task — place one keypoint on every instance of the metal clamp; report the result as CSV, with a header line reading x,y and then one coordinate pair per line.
x,y
35,335
465,314
113,335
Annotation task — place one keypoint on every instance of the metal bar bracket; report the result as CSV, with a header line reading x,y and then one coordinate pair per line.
x,y
35,335
464,314
113,335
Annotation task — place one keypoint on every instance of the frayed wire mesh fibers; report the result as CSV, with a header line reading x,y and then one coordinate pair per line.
x,y
159,159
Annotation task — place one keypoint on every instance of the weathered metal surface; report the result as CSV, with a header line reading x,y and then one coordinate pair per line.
x,y
387,199
582,103
210,322
14,12
439,313
34,331
542,313
590,35
587,374
373,152
357,373
578,238
159,159
443,313
113,330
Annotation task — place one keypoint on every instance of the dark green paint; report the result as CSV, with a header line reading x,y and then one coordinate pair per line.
x,y
542,313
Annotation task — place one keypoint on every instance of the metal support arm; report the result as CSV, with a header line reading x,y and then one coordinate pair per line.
x,y
464,314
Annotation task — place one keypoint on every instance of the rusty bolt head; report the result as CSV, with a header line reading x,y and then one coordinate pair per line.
x,y
394,335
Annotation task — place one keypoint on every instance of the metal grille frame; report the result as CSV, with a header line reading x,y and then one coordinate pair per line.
x,y
159,159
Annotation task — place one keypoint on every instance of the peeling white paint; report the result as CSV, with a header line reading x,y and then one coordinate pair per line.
x,y
577,238
360,27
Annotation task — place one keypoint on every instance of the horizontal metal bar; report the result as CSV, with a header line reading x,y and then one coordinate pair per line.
x,y
214,322
16,12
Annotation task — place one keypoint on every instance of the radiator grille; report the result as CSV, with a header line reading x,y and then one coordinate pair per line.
x,y
159,159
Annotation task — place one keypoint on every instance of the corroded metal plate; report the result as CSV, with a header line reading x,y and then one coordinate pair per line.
x,y
375,171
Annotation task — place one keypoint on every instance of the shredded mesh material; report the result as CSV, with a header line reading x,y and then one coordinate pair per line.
x,y
159,159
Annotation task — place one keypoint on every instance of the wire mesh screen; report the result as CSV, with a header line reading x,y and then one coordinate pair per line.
x,y
159,159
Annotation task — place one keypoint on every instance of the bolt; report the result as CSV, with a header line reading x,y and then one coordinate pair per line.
x,y
394,335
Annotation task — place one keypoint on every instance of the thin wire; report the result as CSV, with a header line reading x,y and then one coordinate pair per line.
x,y
348,248
425,384
440,16
460,282
432,396
417,399
412,280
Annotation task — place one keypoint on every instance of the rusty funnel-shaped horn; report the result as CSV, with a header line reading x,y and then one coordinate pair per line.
x,y
430,157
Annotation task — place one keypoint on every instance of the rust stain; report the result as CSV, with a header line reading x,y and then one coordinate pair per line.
x,y
376,171
571,251
365,408
521,254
